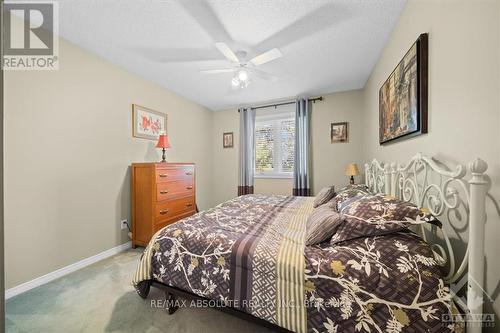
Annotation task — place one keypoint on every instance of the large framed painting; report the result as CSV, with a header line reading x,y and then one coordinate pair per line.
x,y
147,123
403,96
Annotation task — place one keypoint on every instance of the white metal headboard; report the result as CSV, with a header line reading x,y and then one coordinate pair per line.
x,y
428,185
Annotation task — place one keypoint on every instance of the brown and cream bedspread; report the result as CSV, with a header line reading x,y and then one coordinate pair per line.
x,y
250,253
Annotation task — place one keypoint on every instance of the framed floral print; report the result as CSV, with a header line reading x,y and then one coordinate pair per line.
x,y
147,123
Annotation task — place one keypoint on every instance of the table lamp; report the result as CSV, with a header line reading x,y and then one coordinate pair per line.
x,y
352,170
163,143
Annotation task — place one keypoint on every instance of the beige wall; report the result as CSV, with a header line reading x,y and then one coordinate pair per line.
x,y
68,147
281,186
225,160
329,160
463,97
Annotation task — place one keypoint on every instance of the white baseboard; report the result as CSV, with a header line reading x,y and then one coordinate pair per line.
x,y
65,270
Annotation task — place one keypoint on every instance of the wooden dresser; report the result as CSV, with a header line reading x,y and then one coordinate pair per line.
x,y
162,193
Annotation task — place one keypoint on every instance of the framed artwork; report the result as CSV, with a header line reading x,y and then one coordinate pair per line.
x,y
338,132
147,123
227,140
403,96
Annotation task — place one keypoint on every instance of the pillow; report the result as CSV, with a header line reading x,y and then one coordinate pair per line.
x,y
357,191
325,195
378,214
321,224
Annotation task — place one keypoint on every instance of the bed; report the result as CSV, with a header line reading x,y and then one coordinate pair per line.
x,y
248,256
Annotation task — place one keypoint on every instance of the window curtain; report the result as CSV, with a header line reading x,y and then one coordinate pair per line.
x,y
247,151
302,162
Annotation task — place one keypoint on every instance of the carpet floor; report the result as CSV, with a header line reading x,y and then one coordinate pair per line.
x,y
100,298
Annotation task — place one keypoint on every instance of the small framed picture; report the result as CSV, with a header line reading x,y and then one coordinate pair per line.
x,y
227,140
147,123
338,132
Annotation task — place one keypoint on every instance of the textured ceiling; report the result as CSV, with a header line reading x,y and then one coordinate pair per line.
x,y
327,45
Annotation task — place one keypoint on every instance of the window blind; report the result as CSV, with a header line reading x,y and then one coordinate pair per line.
x,y
274,144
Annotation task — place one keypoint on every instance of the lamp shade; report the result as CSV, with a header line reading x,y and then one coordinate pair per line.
x,y
352,170
163,141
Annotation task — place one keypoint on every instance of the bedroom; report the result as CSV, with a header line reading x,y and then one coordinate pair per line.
x,y
69,141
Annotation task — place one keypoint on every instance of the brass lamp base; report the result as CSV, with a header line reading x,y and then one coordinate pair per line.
x,y
352,180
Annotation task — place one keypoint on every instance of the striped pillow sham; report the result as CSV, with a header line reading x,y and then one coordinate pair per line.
x,y
321,224
325,195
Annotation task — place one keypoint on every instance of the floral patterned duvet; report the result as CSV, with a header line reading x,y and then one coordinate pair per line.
x,y
250,253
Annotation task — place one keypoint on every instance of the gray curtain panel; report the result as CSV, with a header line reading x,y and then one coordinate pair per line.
x,y
247,151
302,166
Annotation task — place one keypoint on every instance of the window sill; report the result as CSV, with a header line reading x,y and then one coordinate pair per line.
x,y
276,176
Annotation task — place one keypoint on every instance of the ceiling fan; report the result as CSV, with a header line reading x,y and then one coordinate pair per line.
x,y
242,68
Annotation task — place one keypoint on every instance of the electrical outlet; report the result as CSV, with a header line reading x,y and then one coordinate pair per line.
x,y
123,224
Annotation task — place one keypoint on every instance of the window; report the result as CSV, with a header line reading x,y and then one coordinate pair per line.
x,y
274,143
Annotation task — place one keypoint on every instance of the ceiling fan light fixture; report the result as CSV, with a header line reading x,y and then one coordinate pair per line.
x,y
243,75
239,65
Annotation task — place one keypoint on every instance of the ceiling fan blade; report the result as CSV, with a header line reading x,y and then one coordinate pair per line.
x,y
217,71
204,14
226,51
265,57
179,55
263,75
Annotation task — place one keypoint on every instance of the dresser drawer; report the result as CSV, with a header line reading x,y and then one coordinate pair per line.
x,y
171,190
170,209
163,224
167,174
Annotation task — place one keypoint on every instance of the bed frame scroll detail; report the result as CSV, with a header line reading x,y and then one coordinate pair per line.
x,y
429,184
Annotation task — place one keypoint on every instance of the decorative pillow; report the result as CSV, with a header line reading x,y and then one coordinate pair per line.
x,y
325,195
378,214
356,192
322,224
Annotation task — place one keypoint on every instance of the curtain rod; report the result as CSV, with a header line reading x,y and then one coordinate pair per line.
x,y
320,98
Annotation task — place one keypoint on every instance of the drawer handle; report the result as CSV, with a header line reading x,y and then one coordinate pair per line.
x,y
189,205
163,192
189,187
189,173
163,212
163,175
